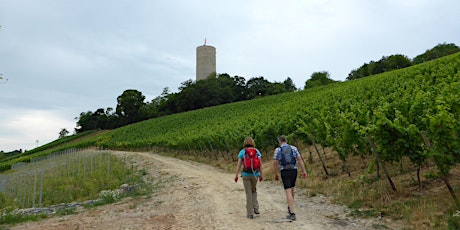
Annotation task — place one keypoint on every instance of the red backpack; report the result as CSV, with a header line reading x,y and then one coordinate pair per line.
x,y
251,161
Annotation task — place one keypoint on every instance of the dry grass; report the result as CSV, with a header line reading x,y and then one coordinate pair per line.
x,y
370,196
431,208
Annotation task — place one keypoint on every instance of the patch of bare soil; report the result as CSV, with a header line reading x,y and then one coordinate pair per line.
x,y
198,196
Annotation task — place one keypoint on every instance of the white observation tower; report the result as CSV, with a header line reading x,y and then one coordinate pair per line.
x,y
205,61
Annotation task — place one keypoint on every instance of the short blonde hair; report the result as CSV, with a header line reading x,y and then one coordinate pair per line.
x,y
249,142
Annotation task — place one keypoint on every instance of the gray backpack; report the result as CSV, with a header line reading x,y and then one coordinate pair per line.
x,y
287,157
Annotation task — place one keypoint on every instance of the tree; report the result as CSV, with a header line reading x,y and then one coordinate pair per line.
x,y
129,103
231,88
438,51
397,61
100,117
362,71
389,63
85,122
212,91
318,79
276,88
63,133
257,87
161,102
289,85
183,85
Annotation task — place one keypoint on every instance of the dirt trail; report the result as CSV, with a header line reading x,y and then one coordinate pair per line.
x,y
198,196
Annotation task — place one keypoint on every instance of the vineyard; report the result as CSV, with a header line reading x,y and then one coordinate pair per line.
x,y
411,113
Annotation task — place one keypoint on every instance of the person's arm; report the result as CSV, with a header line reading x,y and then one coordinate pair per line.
x,y
238,167
302,165
261,178
275,165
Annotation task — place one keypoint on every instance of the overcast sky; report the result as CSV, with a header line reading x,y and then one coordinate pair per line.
x,y
64,57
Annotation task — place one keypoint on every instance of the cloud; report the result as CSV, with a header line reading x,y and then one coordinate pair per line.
x,y
27,127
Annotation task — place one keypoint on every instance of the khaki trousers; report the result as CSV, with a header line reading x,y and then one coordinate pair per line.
x,y
250,183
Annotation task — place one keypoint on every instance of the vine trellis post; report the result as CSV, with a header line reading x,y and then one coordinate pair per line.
x,y
319,155
379,161
444,177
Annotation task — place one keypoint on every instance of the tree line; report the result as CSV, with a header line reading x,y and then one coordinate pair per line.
x,y
215,90
398,61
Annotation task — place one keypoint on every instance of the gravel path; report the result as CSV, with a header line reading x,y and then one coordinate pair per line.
x,y
198,196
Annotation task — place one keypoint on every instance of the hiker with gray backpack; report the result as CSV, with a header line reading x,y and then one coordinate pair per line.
x,y
285,159
249,158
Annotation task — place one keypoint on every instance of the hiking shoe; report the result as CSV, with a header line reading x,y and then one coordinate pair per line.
x,y
256,211
250,217
291,216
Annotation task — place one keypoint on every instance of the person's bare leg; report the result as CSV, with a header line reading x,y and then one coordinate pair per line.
x,y
290,199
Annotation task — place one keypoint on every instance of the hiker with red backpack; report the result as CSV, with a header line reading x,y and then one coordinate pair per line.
x,y
249,158
285,158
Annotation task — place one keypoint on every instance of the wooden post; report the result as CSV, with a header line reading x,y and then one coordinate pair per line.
x,y
379,161
228,151
310,157
444,177
345,166
319,155
212,150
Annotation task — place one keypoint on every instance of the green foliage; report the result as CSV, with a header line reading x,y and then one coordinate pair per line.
x,y
385,64
399,61
318,79
66,211
4,201
129,103
289,85
77,179
212,91
11,218
63,133
453,220
364,213
356,204
107,197
438,51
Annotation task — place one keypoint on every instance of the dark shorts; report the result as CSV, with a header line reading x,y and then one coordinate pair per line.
x,y
288,176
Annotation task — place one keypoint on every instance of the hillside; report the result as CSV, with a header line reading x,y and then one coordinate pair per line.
x,y
405,121
413,94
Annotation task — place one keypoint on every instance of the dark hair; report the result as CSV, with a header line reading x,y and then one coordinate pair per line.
x,y
282,138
